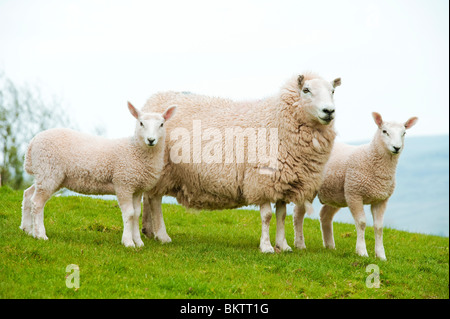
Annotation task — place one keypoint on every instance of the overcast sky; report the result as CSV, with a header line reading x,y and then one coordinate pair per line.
x,y
392,56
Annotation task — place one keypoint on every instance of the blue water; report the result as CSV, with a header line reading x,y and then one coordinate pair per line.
x,y
420,202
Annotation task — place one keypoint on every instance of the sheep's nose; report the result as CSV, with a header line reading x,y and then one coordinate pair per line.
x,y
151,141
328,111
396,149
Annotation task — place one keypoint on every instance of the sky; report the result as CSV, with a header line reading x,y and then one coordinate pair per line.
x,y
392,55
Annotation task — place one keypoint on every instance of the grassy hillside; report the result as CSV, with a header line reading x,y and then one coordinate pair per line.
x,y
214,254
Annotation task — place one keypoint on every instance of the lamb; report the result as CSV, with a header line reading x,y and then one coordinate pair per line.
x,y
208,176
356,176
95,165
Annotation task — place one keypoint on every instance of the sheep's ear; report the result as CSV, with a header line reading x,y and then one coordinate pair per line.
x,y
300,80
169,112
377,118
133,110
411,122
336,82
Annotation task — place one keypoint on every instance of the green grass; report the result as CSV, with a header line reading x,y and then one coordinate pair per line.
x,y
214,254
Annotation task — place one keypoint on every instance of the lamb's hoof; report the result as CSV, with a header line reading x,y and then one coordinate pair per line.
x,y
44,237
381,256
300,245
362,253
164,238
27,230
267,249
128,243
284,248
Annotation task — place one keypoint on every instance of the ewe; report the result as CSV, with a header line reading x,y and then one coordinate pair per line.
x,y
356,176
95,165
210,177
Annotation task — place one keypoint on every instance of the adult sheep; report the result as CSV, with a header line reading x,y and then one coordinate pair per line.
x,y
208,176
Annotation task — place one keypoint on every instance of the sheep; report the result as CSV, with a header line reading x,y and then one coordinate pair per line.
x,y
356,176
301,116
95,165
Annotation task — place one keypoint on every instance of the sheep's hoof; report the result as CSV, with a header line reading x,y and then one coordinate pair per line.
x,y
284,248
267,249
139,242
300,245
147,233
165,239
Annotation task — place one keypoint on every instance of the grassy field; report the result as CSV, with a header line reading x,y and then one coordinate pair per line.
x,y
214,254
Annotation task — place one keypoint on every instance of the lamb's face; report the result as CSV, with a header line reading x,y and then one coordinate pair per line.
x,y
317,97
392,134
150,128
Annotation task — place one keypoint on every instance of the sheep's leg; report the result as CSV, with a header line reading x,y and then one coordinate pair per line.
x,y
326,224
147,227
125,200
27,219
266,215
357,210
378,213
153,220
38,200
137,212
280,241
299,216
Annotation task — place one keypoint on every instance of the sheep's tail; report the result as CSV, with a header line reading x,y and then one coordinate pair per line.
x,y
28,164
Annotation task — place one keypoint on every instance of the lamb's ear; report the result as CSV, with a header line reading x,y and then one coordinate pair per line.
x,y
411,122
300,80
336,82
135,112
377,118
169,112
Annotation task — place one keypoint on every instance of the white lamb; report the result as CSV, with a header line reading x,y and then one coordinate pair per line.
x,y
356,176
95,165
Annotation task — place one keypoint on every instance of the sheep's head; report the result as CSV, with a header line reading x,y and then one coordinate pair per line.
x,y
317,97
150,126
392,134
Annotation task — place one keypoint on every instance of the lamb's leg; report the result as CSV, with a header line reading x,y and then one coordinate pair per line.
x,y
357,209
378,213
38,201
280,241
153,220
266,215
125,200
299,216
326,224
27,220
137,212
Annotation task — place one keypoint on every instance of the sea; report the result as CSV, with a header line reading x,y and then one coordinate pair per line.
x,y
420,202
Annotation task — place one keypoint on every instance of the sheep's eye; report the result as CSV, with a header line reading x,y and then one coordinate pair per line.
x,y
332,92
142,124
385,132
306,90
162,124
403,133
